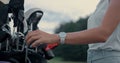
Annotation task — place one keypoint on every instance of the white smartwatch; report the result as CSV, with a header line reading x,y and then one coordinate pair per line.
x,y
62,36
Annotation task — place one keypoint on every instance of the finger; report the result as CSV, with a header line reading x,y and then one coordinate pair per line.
x,y
32,39
36,43
30,34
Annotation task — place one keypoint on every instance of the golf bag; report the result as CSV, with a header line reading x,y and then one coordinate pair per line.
x,y
13,48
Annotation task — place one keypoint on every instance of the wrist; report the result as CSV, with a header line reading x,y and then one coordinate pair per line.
x,y
56,38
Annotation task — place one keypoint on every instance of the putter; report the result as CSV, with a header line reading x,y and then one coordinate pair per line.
x,y
32,16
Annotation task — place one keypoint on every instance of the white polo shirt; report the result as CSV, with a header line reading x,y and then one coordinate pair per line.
x,y
113,42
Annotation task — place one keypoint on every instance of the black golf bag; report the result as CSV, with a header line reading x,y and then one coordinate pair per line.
x,y
13,47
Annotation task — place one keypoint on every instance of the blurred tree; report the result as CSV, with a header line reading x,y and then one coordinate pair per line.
x,y
72,52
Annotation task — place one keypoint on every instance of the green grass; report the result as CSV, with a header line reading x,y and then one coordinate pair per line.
x,y
59,60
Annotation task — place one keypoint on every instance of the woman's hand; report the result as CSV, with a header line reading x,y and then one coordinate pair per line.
x,y
37,37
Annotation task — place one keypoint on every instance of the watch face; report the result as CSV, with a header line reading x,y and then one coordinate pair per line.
x,y
62,34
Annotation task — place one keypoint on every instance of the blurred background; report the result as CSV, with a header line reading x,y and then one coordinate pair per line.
x,y
67,16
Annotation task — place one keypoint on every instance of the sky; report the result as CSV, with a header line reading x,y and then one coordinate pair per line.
x,y
60,11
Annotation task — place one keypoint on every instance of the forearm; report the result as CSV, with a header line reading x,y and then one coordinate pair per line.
x,y
94,35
